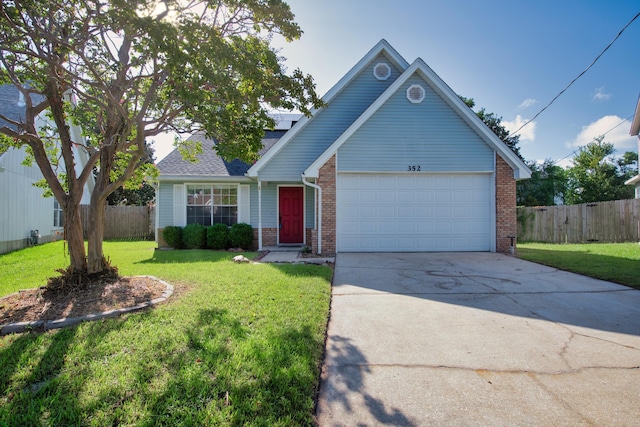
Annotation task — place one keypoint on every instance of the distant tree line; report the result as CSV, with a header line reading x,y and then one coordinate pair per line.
x,y
597,175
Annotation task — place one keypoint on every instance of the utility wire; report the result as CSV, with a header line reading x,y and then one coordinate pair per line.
x,y
593,140
579,75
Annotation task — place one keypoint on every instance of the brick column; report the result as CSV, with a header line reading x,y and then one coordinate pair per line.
x,y
506,224
327,180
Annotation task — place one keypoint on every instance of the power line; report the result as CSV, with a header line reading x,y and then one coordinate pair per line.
x,y
579,75
593,140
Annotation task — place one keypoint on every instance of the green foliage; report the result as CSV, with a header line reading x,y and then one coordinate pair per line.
x,y
218,236
597,176
494,123
137,191
548,184
235,345
241,236
125,71
194,236
173,236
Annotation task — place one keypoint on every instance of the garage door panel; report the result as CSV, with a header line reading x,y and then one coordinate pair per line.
x,y
443,212
387,212
406,227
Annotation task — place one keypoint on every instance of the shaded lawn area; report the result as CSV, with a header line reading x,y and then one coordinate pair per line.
x,y
237,344
614,262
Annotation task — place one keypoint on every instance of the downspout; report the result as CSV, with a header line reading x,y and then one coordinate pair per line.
x,y
259,214
319,217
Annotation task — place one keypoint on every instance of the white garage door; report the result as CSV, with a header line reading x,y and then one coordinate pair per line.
x,y
414,213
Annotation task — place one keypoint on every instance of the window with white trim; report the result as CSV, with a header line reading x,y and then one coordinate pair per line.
x,y
212,204
58,214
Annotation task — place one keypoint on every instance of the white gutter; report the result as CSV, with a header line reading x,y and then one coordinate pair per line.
x,y
319,217
259,215
203,178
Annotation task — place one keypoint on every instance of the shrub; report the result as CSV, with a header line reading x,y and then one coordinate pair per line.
x,y
241,236
194,236
173,236
218,236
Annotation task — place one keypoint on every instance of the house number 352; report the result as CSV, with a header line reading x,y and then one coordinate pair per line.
x,y
413,168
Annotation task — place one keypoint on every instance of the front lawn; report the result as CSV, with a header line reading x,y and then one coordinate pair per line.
x,y
237,344
615,262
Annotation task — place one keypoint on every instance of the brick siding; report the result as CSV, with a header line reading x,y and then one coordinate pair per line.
x,y
327,181
269,237
506,225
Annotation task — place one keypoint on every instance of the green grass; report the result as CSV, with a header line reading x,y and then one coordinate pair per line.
x,y
615,262
239,344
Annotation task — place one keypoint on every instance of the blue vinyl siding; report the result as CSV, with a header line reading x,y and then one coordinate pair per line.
x,y
165,203
328,124
270,204
309,194
401,134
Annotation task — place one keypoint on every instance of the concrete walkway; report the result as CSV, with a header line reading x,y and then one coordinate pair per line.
x,y
477,339
294,257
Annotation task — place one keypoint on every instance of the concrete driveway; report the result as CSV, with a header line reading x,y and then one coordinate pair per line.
x,y
477,339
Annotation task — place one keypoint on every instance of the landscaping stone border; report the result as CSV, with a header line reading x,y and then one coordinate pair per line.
x,y
46,325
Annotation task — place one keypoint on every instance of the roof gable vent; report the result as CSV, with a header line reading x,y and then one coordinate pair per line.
x,y
415,94
382,71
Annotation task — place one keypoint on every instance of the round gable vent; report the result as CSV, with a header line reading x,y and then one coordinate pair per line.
x,y
415,94
382,71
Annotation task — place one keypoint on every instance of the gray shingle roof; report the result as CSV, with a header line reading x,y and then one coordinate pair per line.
x,y
209,162
9,107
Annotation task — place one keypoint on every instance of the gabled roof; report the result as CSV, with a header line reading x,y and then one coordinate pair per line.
x,y
382,47
521,171
210,164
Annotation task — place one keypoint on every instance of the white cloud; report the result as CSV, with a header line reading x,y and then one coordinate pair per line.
x,y
527,103
599,95
619,136
528,133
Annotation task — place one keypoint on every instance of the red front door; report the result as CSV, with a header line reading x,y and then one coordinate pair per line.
x,y
291,218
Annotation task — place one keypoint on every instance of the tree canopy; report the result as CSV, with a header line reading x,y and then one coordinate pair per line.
x,y
546,187
127,70
597,176
494,123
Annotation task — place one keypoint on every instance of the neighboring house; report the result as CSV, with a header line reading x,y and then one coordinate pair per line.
x,y
395,162
635,130
23,209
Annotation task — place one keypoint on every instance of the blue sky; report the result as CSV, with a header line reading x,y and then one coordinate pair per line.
x,y
512,57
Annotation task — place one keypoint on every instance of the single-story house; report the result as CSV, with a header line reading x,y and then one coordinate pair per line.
x,y
635,131
26,217
395,162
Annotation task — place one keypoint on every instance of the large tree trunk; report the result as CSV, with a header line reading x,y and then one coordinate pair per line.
x,y
96,261
74,238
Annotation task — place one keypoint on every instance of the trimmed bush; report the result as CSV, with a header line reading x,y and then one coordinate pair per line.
x,y
218,236
173,236
194,236
241,236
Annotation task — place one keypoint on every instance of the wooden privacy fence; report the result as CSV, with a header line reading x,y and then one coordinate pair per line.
x,y
615,221
124,222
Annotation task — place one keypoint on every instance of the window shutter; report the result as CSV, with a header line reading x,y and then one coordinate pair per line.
x,y
179,206
244,208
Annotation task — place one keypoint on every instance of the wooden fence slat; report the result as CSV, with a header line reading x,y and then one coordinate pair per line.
x,y
124,222
614,221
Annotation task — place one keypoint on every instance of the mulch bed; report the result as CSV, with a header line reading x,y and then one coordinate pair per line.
x,y
92,298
